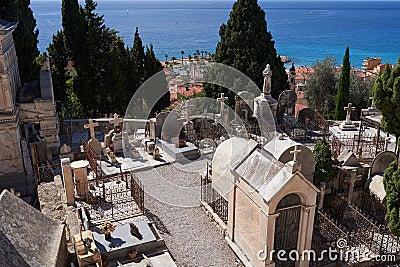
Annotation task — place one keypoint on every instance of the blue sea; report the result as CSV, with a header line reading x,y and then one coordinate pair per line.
x,y
305,31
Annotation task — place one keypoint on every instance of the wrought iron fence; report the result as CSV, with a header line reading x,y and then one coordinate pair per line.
x,y
362,232
115,196
210,196
45,172
370,204
92,159
368,145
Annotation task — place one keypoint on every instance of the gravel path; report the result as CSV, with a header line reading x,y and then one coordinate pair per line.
x,y
192,238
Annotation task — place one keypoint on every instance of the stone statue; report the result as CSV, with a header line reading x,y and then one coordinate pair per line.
x,y
267,73
46,64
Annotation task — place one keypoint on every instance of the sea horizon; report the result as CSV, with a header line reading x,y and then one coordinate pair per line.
x,y
305,31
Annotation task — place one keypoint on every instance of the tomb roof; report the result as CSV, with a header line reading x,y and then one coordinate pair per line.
x,y
27,236
6,26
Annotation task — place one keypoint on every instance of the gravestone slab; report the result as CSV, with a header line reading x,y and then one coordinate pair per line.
x,y
96,146
122,242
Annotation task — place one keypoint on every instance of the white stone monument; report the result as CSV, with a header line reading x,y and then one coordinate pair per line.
x,y
117,138
348,125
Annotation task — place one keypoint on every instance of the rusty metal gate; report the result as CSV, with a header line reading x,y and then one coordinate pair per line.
x,y
116,196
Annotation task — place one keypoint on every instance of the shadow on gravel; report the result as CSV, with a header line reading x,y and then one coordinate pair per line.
x,y
159,224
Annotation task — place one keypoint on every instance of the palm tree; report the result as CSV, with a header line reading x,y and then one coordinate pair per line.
x,y
190,57
182,53
166,57
173,60
202,53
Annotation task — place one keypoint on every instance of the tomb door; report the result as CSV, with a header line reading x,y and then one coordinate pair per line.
x,y
287,226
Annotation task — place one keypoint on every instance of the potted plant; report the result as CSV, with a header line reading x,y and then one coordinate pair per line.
x,y
107,228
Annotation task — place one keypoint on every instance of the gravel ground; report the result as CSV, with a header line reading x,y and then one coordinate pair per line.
x,y
192,238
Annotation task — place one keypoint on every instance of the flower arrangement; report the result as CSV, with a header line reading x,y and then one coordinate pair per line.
x,y
107,228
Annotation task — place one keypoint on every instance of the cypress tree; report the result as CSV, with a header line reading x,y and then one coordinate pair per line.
x,y
73,23
386,94
342,96
137,55
153,66
137,71
247,45
58,58
391,182
25,36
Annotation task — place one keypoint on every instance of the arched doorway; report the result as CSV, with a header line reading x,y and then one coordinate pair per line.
x,y
287,226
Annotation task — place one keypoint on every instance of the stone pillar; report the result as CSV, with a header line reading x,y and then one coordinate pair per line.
x,y
68,182
80,176
321,199
270,238
306,232
352,180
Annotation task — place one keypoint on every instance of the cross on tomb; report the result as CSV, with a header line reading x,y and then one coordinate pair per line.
x,y
372,103
352,180
91,126
116,120
349,109
295,152
222,100
186,107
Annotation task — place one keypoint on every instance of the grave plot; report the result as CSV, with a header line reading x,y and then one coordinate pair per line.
x,y
357,231
111,197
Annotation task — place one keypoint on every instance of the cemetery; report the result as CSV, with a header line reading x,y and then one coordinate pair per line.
x,y
92,193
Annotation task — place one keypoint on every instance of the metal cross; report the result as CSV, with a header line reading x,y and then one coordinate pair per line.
x,y
116,120
222,100
349,109
295,152
91,126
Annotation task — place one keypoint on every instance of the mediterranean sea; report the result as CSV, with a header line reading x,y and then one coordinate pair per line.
x,y
306,31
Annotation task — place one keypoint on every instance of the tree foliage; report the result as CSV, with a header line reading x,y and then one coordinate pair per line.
x,y
360,91
391,182
324,172
58,57
25,36
386,95
342,96
107,72
247,46
320,87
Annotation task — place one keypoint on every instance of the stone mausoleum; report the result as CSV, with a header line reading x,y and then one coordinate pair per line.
x,y
271,198
27,113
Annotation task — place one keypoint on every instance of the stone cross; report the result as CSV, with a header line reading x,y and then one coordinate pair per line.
x,y
222,100
352,180
91,126
372,103
267,73
295,152
349,109
116,120
186,107
323,191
